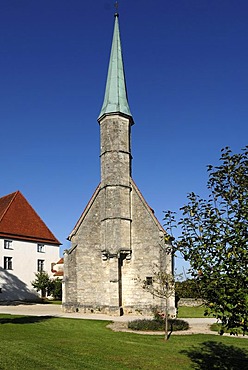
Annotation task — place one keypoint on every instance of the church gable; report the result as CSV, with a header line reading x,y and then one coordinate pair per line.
x,y
88,211
144,221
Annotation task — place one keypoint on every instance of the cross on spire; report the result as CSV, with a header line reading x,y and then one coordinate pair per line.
x,y
116,7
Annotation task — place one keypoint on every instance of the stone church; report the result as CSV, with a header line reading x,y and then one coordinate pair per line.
x,y
117,241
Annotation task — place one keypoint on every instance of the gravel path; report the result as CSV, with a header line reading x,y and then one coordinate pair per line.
x,y
196,326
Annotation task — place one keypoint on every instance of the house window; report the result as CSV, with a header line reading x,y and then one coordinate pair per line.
x,y
40,248
148,280
7,263
7,244
40,265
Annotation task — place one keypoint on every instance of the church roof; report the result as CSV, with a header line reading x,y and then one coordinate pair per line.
x,y
115,99
18,220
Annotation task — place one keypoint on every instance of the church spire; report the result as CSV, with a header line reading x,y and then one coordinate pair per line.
x,y
115,99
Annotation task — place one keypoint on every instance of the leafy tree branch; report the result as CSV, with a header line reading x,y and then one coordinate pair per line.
x,y
214,239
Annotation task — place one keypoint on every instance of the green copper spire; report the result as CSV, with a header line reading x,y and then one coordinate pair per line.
x,y
115,99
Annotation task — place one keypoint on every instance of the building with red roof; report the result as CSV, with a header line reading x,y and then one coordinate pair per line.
x,y
27,246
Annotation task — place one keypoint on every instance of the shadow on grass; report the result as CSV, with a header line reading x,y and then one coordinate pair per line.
x,y
216,355
24,319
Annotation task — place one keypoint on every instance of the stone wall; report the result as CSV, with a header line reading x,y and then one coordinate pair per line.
x,y
190,302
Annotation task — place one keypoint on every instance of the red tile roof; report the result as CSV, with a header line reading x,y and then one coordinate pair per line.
x,y
61,261
18,220
59,273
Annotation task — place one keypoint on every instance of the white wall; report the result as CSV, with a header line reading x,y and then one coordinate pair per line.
x,y
15,284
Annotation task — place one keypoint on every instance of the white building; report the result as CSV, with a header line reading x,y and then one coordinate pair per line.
x,y
26,247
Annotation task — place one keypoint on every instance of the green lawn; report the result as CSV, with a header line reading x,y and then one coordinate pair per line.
x,y
58,343
186,312
48,301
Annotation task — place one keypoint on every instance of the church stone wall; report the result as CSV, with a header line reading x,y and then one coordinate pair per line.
x,y
93,278
70,280
147,238
83,274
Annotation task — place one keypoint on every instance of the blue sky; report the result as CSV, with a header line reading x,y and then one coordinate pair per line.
x,y
187,79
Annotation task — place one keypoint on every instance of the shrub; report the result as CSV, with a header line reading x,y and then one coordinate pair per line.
x,y
56,289
221,330
158,325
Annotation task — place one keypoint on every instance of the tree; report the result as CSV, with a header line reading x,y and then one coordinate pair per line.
x,y
162,286
47,286
56,288
188,288
42,283
214,239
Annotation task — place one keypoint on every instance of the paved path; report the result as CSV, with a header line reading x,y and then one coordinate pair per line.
x,y
197,325
119,323
55,310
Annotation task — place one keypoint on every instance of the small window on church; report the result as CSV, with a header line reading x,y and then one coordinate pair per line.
x,y
148,280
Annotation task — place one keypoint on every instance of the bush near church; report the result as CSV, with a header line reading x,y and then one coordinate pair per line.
x,y
158,323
